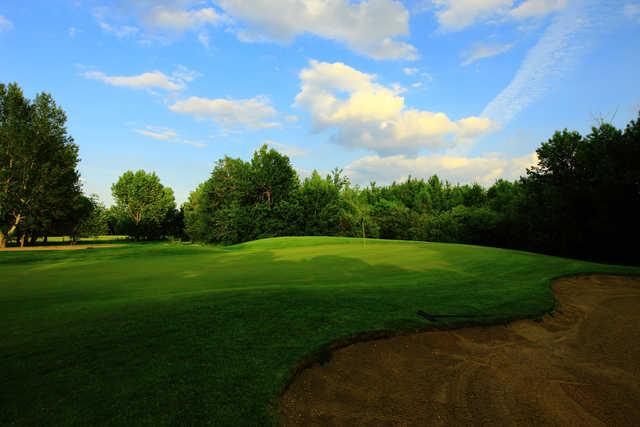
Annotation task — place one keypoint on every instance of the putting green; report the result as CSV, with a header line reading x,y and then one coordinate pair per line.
x,y
187,334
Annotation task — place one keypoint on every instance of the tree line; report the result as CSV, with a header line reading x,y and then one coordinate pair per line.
x,y
582,199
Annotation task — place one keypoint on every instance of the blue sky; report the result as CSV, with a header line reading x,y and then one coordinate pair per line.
x,y
384,89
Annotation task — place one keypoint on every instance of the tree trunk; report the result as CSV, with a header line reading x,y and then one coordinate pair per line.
x,y
46,238
268,193
3,240
33,240
17,219
22,240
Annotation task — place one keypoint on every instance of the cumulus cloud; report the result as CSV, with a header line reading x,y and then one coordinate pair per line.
x,y
484,170
368,114
288,150
5,24
149,80
455,15
482,51
410,71
369,27
253,113
559,48
167,134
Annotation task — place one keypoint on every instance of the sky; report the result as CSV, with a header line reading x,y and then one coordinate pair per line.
x,y
383,89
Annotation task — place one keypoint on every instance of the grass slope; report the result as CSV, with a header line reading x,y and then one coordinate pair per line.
x,y
170,334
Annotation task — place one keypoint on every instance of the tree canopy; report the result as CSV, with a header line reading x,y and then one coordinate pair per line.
x,y
144,208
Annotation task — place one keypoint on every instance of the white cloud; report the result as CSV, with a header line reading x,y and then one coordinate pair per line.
x,y
409,71
167,134
5,24
369,27
174,18
370,115
154,79
292,118
484,170
455,15
196,144
632,11
416,85
150,80
251,113
203,39
158,20
162,134
563,42
120,31
536,8
288,150
482,51
184,75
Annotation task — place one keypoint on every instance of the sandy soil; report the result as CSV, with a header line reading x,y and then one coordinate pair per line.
x,y
579,367
59,248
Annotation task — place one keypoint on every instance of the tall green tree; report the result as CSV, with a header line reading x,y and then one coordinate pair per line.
x,y
144,207
321,203
274,184
16,161
218,209
96,223
38,165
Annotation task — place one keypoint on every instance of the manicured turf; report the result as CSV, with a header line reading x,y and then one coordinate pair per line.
x,y
174,334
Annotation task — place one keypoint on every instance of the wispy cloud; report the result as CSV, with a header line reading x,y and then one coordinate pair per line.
x,y
254,113
482,51
162,134
537,8
565,40
149,80
632,11
176,19
203,39
196,144
121,32
455,15
167,134
5,24
288,150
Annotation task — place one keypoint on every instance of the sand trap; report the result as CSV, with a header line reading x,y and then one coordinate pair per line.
x,y
578,367
59,247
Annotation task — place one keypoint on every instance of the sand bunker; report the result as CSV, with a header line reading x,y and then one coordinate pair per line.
x,y
580,366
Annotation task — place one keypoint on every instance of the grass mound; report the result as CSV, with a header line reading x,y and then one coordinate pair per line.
x,y
161,333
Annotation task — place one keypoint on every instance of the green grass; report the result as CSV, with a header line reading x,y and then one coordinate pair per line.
x,y
185,334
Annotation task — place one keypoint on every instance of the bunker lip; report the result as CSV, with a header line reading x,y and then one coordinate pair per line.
x,y
581,365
